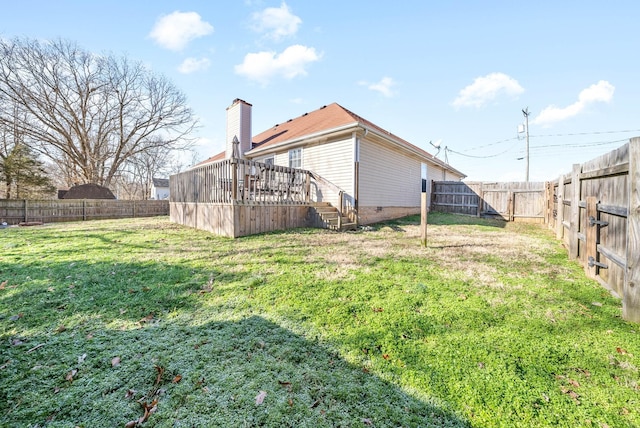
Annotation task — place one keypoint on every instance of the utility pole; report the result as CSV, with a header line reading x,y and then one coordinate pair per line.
x,y
525,112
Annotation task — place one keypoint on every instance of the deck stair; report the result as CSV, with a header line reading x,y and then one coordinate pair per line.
x,y
328,217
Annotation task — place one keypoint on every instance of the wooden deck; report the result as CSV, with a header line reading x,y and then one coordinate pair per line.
x,y
239,197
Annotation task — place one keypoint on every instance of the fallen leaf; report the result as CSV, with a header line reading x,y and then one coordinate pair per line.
x,y
176,379
131,424
115,361
146,319
16,341
81,358
575,383
4,366
16,317
71,374
60,329
377,309
123,311
367,421
56,389
596,303
260,397
130,394
3,284
160,371
621,351
290,402
385,356
89,336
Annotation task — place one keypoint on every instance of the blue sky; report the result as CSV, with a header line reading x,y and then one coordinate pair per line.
x,y
458,72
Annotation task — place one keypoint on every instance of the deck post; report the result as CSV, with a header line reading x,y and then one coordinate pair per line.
x,y
234,179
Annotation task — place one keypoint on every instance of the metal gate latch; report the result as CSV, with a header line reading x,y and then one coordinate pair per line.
x,y
593,262
593,221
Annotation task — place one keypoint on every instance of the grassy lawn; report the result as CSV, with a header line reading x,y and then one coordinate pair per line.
x,y
146,323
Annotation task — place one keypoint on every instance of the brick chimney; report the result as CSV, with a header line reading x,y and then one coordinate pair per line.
x,y
238,126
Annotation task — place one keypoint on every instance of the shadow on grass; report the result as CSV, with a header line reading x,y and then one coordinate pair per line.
x,y
183,336
201,375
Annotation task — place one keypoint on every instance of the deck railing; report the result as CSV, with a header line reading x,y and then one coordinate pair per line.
x,y
241,181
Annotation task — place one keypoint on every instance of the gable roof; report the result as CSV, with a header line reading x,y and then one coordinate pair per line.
x,y
160,182
325,119
88,191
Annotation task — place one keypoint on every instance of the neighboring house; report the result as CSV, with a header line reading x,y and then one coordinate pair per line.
x,y
87,191
160,188
382,175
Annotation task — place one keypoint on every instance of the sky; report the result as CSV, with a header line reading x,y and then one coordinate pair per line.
x,y
453,74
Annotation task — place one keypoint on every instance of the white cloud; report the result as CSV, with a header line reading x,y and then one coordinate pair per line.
x,y
191,65
599,92
487,88
176,30
276,22
383,86
263,66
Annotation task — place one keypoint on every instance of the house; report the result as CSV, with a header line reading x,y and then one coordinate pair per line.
x,y
381,175
160,188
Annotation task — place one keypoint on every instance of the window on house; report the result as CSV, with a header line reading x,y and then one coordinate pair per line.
x,y
269,161
295,158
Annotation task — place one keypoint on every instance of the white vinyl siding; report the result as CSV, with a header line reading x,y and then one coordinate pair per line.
x,y
388,178
332,161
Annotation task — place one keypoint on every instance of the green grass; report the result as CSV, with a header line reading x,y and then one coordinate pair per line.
x,y
489,326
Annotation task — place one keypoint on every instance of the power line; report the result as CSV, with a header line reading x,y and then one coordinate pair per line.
x,y
573,134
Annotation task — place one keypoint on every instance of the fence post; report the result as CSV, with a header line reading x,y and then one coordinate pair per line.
x,y
84,209
574,229
560,209
480,200
631,291
26,207
590,233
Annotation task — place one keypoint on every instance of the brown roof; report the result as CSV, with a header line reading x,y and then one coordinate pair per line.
x,y
324,119
88,191
327,117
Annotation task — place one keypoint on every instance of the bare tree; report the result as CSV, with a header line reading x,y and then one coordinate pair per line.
x,y
87,112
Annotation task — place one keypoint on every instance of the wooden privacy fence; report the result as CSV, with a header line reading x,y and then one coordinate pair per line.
x,y
15,211
515,201
595,210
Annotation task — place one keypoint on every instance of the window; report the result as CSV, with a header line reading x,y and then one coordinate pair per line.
x,y
295,158
269,161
